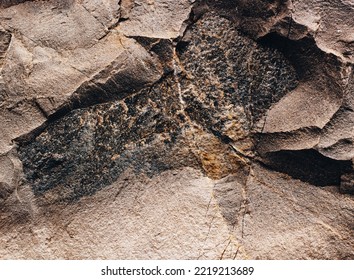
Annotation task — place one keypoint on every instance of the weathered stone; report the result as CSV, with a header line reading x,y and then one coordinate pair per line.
x,y
155,18
54,66
170,217
176,129
282,218
347,183
90,148
230,71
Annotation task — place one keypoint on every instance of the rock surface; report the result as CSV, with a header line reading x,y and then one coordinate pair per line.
x,y
153,129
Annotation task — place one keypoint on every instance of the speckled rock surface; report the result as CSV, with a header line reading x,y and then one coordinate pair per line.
x,y
141,129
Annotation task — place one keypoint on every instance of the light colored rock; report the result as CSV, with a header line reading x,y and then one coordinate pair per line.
x,y
126,7
337,139
303,107
316,102
51,64
276,217
60,25
173,216
330,22
181,214
156,18
107,12
17,120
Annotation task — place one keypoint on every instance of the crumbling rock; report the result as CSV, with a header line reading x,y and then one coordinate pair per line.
x,y
215,65
90,148
176,129
221,105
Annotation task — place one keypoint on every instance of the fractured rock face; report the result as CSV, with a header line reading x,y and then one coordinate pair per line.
x,y
174,129
52,66
90,148
287,218
227,69
152,18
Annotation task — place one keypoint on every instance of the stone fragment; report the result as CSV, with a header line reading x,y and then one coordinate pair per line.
x,y
155,18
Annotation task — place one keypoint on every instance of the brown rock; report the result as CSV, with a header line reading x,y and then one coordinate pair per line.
x,y
150,129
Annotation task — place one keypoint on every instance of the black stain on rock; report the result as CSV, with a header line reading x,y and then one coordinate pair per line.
x,y
89,148
225,68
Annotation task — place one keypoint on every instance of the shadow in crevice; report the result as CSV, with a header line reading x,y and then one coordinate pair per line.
x,y
309,166
304,54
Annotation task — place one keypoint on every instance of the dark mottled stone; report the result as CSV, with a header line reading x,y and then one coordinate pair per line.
x,y
228,69
89,148
9,3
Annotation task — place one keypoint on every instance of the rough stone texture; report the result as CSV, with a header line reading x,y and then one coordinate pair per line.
x,y
152,18
176,213
81,55
141,129
139,132
182,214
294,219
334,32
229,71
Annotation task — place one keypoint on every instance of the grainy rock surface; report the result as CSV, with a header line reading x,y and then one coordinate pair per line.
x,y
150,129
